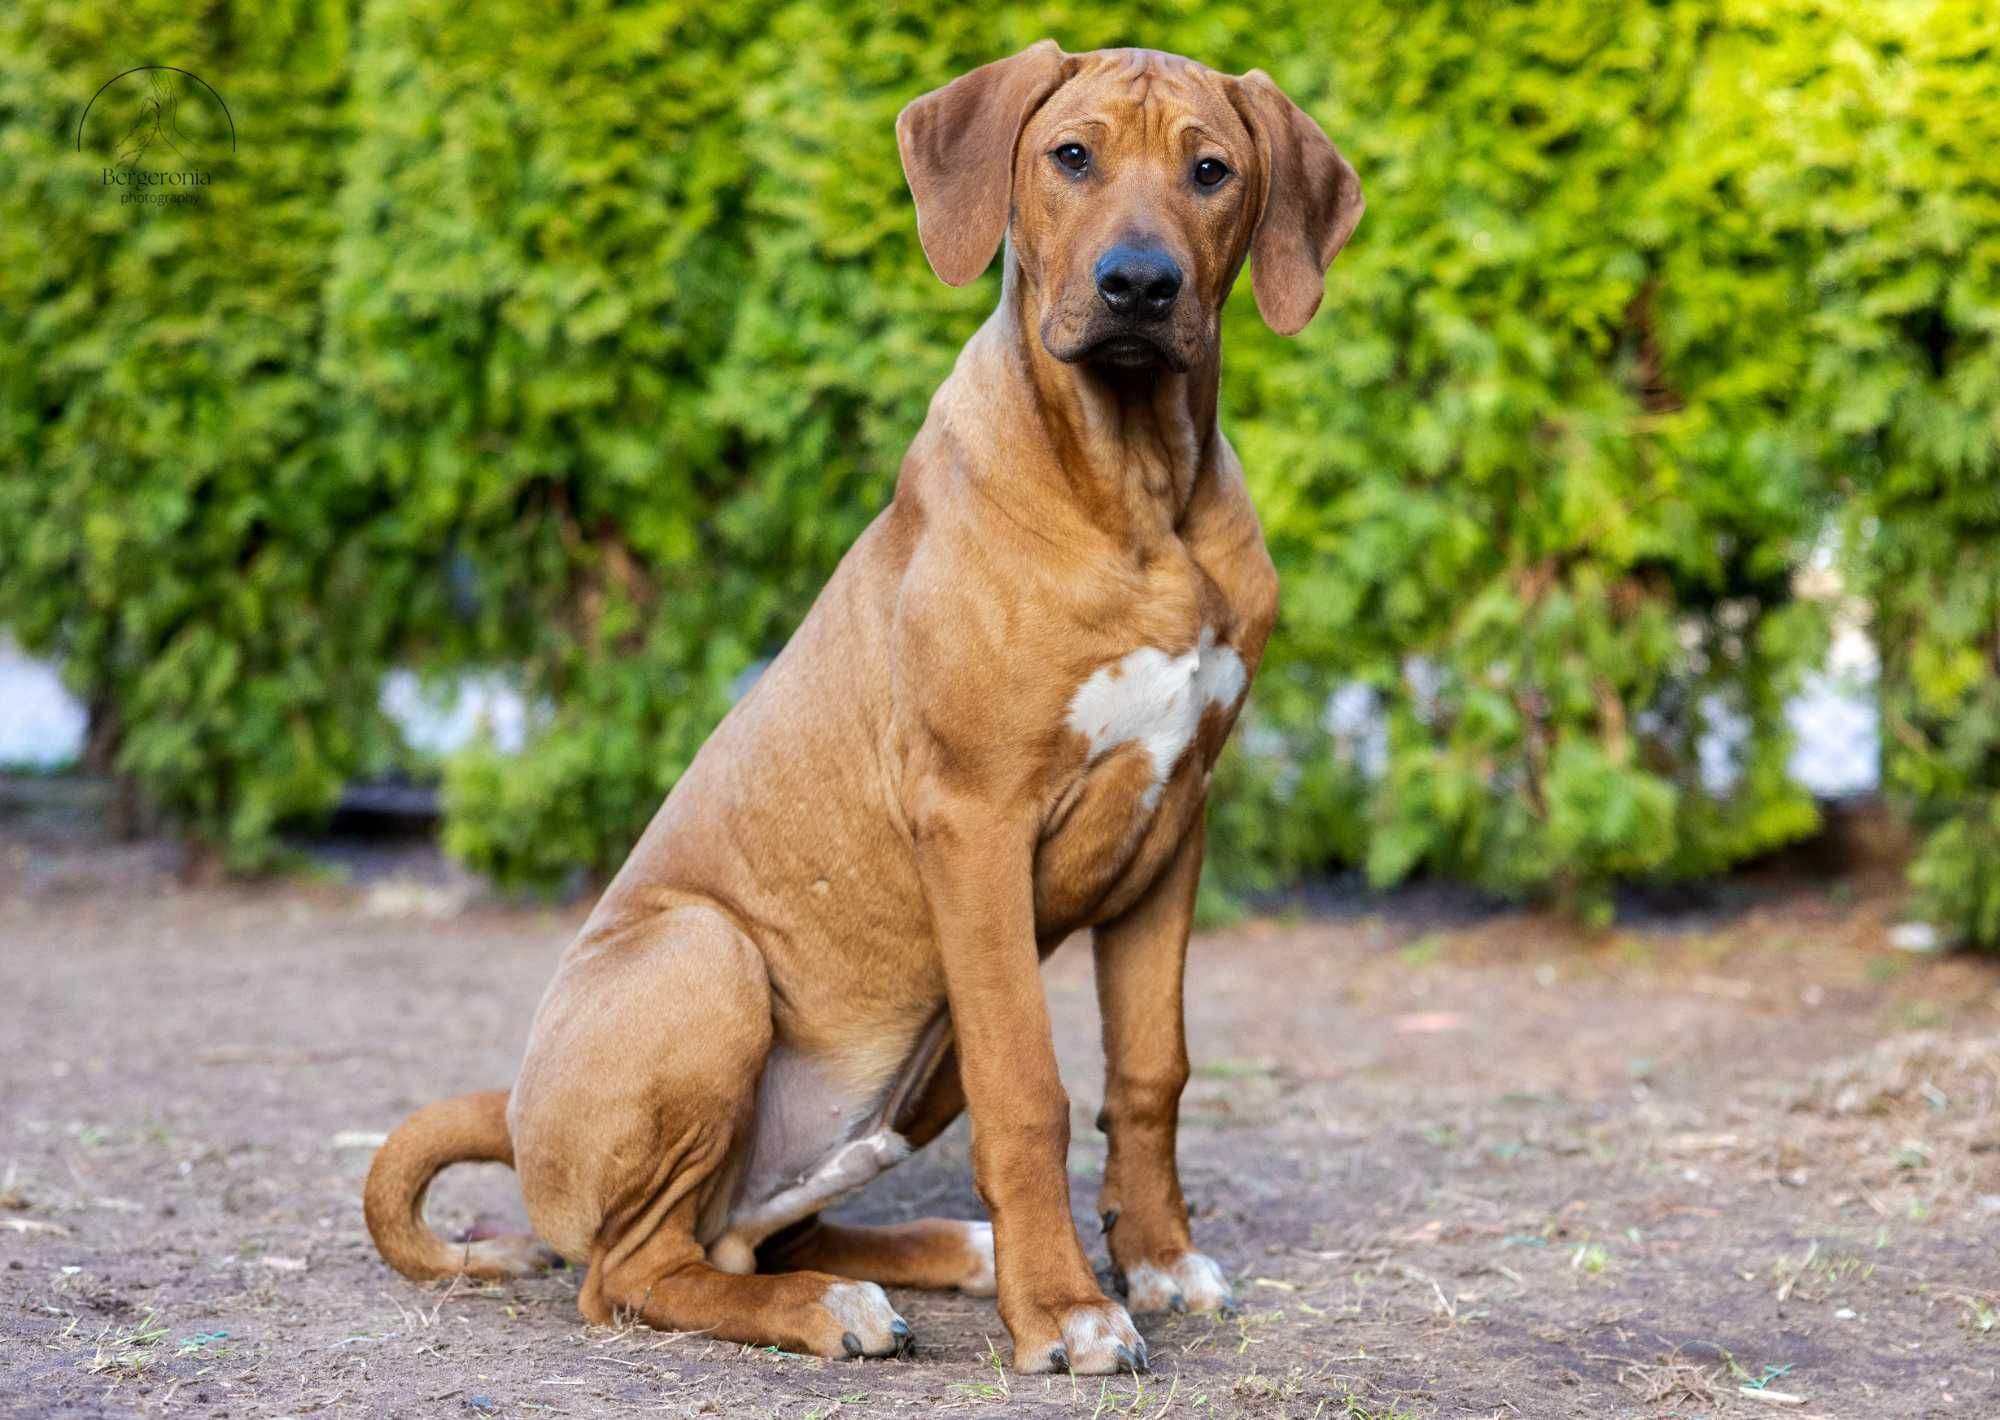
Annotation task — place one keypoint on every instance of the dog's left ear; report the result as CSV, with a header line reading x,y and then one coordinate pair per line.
x,y
958,155
1311,203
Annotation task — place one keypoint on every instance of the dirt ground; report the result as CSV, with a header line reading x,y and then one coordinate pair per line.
x,y
1743,1156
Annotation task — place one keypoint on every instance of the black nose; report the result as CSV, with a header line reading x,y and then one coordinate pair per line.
x,y
1138,282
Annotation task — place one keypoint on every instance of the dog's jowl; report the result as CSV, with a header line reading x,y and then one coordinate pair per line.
x,y
994,728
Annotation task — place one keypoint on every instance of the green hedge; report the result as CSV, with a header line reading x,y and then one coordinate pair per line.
x,y
175,522
617,328
1847,158
1898,210
1518,484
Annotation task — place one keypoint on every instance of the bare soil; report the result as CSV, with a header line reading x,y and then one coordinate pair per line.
x,y
1456,1163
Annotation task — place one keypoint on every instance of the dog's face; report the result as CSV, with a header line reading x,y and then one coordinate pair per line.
x,y
1136,184
1133,210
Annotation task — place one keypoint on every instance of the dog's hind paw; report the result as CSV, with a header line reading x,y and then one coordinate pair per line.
x,y
868,1325
495,1256
980,1282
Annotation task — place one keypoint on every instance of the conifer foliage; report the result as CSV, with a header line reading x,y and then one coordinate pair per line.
x,y
580,343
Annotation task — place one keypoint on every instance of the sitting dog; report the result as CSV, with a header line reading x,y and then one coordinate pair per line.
x,y
994,728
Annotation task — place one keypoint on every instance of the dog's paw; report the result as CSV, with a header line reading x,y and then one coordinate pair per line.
x,y
1096,1339
980,1281
492,1255
1188,1283
865,1322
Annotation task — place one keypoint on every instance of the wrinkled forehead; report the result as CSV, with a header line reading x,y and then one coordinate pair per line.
x,y
1119,98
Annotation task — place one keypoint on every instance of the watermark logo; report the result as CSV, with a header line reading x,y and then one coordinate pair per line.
x,y
155,133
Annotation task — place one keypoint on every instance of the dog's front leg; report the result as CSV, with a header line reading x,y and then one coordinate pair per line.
x,y
977,870
1140,959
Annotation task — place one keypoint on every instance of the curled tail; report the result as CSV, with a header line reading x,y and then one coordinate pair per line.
x,y
469,1129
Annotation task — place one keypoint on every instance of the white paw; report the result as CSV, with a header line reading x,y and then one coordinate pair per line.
x,y
1190,1283
980,1282
869,1325
1098,1340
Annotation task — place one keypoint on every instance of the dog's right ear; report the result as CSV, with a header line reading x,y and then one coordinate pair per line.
x,y
958,155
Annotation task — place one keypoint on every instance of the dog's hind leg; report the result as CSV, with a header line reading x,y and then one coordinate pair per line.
x,y
631,1120
939,1253
664,1283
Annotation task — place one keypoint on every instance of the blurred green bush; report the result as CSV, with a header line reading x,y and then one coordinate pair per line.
x,y
175,522
1897,209
585,342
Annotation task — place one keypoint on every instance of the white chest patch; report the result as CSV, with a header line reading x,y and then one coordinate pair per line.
x,y
1155,700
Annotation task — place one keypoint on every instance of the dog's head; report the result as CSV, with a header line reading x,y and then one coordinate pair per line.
x,y
1135,183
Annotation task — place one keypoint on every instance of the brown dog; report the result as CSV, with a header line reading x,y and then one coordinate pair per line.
x,y
994,728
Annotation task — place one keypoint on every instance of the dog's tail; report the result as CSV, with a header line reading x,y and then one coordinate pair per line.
x,y
469,1129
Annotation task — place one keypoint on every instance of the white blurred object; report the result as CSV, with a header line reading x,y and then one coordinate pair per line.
x,y
1359,728
1836,723
1915,937
41,724
446,716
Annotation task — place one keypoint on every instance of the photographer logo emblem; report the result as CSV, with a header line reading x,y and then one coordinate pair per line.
x,y
154,133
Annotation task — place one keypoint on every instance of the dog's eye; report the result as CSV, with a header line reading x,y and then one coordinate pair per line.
x,y
1073,156
1210,171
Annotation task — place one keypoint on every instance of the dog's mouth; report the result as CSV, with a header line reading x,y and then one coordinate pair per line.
x,y
1125,349
1126,352
1130,352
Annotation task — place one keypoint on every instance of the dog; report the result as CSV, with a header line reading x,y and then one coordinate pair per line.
x,y
994,728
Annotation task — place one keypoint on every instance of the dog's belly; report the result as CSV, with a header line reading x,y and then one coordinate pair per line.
x,y
819,1136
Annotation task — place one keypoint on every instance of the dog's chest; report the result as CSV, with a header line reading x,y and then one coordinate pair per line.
x,y
1142,728
1154,701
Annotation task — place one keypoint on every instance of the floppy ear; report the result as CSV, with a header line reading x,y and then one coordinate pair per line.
x,y
1311,202
958,155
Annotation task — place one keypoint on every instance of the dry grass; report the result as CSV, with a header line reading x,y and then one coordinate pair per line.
x,y
1674,1380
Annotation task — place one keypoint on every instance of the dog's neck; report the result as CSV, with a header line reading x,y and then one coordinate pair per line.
x,y
1129,447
